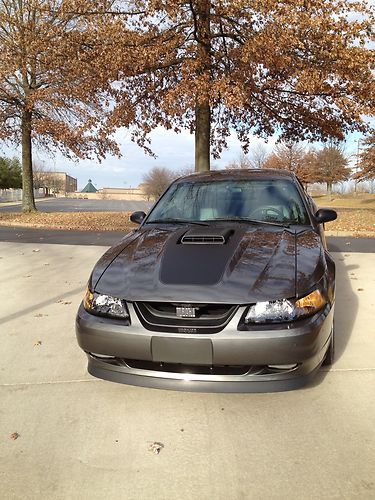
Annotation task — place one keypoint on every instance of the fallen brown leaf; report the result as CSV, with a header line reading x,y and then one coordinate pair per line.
x,y
155,447
14,436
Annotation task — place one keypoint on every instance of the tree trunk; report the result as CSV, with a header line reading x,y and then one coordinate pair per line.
x,y
202,137
202,108
329,189
28,202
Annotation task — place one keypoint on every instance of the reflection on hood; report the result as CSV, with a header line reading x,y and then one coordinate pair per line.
x,y
253,264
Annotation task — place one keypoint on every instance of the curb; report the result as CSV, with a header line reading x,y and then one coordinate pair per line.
x,y
15,203
340,234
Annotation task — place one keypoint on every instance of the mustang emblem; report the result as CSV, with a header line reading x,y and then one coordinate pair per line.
x,y
185,312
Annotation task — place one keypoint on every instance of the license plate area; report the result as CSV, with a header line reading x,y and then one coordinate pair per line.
x,y
177,350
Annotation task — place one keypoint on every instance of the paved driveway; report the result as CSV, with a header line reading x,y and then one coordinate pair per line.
x,y
82,205
108,238
82,438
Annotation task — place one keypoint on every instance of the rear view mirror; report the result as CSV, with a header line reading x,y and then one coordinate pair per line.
x,y
325,215
137,217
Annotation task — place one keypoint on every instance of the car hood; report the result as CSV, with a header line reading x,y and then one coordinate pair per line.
x,y
252,264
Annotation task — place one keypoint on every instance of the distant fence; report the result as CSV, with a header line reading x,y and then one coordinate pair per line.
x,y
7,195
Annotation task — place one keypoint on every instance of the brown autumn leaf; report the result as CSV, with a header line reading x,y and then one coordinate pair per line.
x,y
83,221
155,447
14,436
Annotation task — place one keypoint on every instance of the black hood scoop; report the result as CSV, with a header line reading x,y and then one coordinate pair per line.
x,y
206,236
198,261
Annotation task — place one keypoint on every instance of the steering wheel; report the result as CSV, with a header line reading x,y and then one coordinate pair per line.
x,y
266,212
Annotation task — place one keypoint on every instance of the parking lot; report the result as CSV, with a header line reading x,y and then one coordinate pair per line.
x,y
66,435
81,205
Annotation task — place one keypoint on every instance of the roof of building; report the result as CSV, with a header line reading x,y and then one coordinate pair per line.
x,y
89,188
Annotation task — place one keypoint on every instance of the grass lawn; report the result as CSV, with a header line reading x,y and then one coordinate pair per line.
x,y
74,221
361,200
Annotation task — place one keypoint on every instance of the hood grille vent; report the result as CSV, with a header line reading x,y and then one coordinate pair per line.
x,y
213,240
205,236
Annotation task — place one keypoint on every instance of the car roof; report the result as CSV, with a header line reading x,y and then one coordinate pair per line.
x,y
238,174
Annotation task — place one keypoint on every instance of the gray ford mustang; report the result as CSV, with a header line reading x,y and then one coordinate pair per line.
x,y
226,286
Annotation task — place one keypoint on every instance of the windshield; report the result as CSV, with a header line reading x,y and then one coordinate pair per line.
x,y
276,200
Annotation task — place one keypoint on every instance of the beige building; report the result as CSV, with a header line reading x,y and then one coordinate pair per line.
x,y
109,193
55,182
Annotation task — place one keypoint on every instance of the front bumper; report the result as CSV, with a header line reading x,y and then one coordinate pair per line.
x,y
277,359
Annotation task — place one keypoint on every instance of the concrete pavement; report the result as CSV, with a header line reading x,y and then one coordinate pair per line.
x,y
82,438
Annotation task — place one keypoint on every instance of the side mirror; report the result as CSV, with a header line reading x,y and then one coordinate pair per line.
x,y
325,215
137,217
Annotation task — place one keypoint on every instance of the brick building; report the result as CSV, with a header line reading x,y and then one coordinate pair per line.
x,y
55,182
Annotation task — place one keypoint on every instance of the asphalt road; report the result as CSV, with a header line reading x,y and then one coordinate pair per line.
x,y
82,205
108,238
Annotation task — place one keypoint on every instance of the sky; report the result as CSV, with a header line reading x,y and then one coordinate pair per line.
x,y
174,151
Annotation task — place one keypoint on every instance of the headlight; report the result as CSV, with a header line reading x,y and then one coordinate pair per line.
x,y
279,311
105,305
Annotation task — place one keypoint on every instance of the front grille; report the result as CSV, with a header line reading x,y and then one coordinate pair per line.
x,y
186,369
162,316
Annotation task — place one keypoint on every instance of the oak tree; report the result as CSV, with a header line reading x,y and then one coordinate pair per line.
x,y
331,165
296,158
366,160
299,68
256,158
53,88
156,181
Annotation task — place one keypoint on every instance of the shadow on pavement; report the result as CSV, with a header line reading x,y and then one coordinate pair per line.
x,y
346,309
40,305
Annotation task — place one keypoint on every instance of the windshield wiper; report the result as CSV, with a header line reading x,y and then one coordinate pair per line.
x,y
177,221
251,221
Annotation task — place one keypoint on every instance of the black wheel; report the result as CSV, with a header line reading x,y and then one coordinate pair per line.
x,y
330,354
